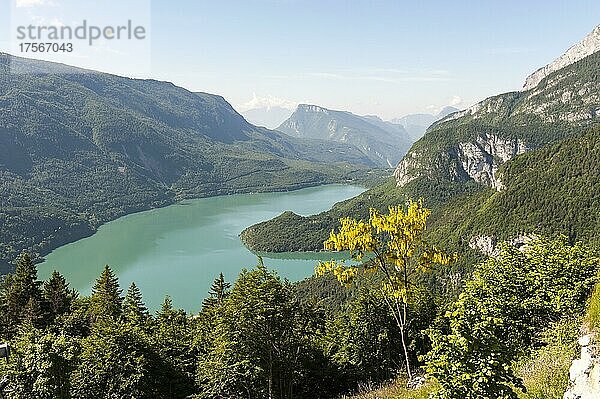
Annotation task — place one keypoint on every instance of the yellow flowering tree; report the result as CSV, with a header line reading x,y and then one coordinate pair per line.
x,y
392,244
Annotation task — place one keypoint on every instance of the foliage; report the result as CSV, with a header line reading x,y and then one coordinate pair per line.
x,y
106,301
399,252
44,365
471,361
503,312
134,310
363,338
115,362
20,298
263,343
545,372
593,312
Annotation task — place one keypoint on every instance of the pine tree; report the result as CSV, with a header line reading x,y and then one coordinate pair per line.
x,y
173,340
17,291
134,310
106,301
57,295
217,293
33,315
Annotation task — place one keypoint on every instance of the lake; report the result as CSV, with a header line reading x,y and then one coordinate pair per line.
x,y
179,250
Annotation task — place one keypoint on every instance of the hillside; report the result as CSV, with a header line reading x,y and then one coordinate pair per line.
x,y
79,148
511,164
383,143
554,190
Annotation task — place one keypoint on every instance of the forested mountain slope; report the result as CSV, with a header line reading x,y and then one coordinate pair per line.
x,y
78,148
472,144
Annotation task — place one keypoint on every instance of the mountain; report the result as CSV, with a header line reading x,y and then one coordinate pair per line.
x,y
79,148
515,164
417,124
589,45
381,143
472,144
269,117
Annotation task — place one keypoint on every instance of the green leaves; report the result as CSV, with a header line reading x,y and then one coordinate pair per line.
x,y
106,297
502,313
260,341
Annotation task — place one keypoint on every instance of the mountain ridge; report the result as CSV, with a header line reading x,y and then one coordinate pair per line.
x,y
383,144
587,46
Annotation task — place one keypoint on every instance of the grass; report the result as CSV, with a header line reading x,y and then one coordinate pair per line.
x,y
392,390
593,314
545,372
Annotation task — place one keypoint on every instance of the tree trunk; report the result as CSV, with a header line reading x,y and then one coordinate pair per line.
x,y
406,358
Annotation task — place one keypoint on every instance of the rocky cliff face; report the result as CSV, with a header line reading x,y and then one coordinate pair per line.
x,y
489,245
482,158
473,144
478,159
589,45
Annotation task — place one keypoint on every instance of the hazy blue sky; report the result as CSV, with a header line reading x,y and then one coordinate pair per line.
x,y
370,57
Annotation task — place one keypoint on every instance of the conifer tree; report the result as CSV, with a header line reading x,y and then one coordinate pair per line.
x,y
134,309
106,301
58,297
17,291
217,293
33,315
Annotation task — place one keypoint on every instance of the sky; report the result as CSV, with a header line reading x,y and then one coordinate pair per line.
x,y
388,58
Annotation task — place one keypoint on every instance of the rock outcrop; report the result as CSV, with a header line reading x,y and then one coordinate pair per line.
x,y
584,374
589,45
478,160
481,159
489,245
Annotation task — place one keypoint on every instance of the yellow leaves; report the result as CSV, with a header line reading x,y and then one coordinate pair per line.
x,y
353,235
394,289
396,240
344,274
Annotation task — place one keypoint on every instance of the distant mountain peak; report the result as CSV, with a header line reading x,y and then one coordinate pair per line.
x,y
587,46
382,142
312,108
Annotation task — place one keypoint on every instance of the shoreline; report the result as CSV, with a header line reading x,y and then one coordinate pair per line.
x,y
181,200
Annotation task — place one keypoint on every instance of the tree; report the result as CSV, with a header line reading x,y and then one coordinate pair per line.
x,y
398,250
502,313
58,297
106,296
134,310
33,314
173,342
472,361
20,296
217,293
116,361
261,346
43,366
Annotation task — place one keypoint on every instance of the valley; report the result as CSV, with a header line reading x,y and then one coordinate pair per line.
x,y
154,242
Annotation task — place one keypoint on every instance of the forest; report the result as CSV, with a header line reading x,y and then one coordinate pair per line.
x,y
374,319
